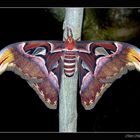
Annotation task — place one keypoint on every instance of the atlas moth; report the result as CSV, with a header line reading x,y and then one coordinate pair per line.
x,y
41,63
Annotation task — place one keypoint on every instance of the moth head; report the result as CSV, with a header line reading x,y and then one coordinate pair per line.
x,y
70,43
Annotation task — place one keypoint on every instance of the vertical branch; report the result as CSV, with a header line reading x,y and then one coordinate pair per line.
x,y
68,91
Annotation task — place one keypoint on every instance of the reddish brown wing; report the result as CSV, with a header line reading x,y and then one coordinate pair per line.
x,y
39,63
101,65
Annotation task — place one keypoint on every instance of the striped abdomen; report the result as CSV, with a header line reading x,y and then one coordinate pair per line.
x,y
69,63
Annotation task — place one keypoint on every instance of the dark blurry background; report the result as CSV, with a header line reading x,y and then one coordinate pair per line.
x,y
20,107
